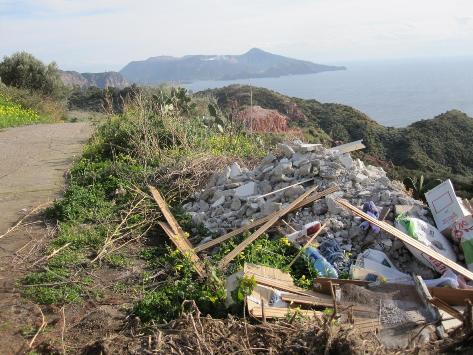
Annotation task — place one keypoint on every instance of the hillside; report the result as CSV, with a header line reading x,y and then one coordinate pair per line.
x,y
100,80
252,64
437,148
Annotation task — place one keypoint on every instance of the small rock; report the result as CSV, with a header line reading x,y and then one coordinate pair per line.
x,y
246,190
235,170
220,201
236,204
287,150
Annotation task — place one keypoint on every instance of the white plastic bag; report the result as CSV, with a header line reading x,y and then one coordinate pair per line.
x,y
430,237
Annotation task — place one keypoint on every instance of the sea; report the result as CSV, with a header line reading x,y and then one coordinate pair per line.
x,y
395,93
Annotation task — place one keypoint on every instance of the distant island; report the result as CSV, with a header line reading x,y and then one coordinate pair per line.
x,y
100,80
255,63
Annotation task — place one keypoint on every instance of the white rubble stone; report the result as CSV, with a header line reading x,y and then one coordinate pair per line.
x,y
346,161
246,190
286,149
219,202
235,170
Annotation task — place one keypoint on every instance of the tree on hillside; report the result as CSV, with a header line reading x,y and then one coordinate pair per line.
x,y
24,71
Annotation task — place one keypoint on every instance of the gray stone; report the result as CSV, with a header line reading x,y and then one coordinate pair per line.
x,y
203,206
286,149
270,207
223,177
235,170
246,190
305,169
220,201
346,161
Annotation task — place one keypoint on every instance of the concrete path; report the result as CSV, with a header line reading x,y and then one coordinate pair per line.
x,y
33,160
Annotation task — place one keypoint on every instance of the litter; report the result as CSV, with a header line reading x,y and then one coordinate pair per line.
x,y
370,209
319,263
445,206
430,237
462,234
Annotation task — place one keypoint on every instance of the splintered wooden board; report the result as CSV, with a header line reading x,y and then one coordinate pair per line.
x,y
175,227
274,218
408,240
184,248
263,220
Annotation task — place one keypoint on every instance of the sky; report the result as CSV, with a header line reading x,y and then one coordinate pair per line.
x,y
100,35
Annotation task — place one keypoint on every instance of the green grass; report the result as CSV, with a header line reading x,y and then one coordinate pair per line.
x,y
13,114
123,157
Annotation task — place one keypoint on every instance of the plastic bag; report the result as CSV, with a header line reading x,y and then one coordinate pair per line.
x,y
430,237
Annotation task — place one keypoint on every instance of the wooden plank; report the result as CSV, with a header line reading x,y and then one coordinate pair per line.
x,y
349,147
321,284
282,285
184,248
446,308
263,220
275,217
325,302
408,240
301,250
452,296
175,227
280,312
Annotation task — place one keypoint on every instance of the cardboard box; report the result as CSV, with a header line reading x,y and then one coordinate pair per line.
x,y
445,206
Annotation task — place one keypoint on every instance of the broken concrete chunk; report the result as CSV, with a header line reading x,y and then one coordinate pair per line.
x,y
286,149
235,170
246,190
218,202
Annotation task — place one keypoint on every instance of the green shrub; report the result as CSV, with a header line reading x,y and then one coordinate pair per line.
x,y
22,70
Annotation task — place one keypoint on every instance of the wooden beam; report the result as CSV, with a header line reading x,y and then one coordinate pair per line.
x,y
282,189
184,248
408,240
263,220
275,217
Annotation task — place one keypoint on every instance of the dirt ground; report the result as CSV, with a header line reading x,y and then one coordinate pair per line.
x,y
33,161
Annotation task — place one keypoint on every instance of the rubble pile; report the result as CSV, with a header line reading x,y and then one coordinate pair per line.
x,y
236,196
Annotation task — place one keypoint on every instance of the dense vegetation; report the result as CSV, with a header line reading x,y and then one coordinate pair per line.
x,y
164,138
438,148
23,71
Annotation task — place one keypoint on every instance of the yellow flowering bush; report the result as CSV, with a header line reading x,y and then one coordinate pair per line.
x,y
12,114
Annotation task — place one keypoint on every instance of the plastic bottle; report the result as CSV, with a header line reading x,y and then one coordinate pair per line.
x,y
320,264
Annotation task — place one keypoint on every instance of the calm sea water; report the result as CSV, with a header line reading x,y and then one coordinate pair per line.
x,y
394,93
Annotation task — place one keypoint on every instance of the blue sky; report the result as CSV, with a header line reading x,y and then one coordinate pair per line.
x,y
100,35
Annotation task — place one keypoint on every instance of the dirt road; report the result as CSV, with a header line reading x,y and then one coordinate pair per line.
x,y
33,160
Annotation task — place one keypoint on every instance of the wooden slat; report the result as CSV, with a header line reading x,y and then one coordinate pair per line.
x,y
452,296
309,242
324,302
175,227
408,240
321,284
263,220
279,312
184,248
446,308
281,285
275,217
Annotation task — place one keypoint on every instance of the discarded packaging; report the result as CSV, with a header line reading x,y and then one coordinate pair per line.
x,y
430,237
445,205
462,233
320,264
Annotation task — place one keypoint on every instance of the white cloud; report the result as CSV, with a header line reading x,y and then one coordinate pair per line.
x,y
106,34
